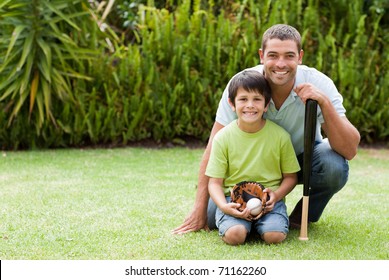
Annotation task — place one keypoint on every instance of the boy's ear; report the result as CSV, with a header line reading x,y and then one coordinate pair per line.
x,y
231,104
266,107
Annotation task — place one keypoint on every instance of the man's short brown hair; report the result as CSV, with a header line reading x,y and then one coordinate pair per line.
x,y
282,32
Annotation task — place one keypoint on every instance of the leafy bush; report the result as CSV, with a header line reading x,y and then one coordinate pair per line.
x,y
43,46
76,74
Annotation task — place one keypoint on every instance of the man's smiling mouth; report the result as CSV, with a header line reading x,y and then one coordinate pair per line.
x,y
280,72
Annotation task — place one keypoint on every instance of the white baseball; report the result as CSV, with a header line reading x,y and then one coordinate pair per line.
x,y
254,205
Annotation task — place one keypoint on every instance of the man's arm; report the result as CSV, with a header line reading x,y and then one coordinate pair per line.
x,y
197,218
343,136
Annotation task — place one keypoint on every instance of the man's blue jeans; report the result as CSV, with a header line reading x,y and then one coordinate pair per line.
x,y
329,175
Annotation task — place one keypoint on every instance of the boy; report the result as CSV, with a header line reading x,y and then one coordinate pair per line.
x,y
251,149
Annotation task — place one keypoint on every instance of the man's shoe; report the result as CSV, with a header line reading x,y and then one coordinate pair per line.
x,y
294,225
295,216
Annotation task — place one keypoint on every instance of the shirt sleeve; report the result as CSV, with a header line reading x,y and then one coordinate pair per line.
x,y
326,85
224,114
218,162
289,162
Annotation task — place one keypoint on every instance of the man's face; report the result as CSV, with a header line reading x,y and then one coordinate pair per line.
x,y
280,60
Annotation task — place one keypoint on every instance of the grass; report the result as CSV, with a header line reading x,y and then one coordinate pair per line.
x,y
122,203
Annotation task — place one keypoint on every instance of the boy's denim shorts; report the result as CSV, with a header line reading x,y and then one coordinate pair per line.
x,y
276,220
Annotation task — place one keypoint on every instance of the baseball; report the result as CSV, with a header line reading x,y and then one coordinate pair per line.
x,y
254,205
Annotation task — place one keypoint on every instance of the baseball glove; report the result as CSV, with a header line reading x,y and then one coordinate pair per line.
x,y
244,191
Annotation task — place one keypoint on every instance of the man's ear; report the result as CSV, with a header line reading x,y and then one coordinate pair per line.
x,y
260,52
301,56
231,104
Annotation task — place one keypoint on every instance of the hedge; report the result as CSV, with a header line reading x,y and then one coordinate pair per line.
x,y
162,78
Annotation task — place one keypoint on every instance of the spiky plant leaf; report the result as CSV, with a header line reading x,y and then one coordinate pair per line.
x,y
41,55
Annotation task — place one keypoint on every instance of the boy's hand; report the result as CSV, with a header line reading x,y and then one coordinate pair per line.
x,y
272,200
232,210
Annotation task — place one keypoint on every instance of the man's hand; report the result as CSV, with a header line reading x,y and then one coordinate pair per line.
x,y
308,91
343,136
195,221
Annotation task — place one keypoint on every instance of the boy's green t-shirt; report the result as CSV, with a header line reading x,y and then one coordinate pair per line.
x,y
262,156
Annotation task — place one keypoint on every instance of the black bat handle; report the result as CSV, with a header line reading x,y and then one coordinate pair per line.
x,y
309,142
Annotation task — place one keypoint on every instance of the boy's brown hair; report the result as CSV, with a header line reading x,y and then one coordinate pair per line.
x,y
249,80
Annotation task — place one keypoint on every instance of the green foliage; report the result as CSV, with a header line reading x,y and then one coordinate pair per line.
x,y
163,65
43,44
352,48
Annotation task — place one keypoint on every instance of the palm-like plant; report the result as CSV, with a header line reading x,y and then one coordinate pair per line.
x,y
42,44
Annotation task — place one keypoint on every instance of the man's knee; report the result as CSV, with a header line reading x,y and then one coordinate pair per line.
x,y
329,168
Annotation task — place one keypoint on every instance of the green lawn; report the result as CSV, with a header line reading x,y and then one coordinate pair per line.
x,y
122,203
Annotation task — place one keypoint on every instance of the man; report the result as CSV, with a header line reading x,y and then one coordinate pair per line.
x,y
291,84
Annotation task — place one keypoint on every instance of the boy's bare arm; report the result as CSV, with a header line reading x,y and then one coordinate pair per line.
x,y
288,183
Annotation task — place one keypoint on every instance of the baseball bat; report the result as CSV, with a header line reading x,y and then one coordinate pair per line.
x,y
309,142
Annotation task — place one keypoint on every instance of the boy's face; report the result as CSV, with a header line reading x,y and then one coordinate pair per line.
x,y
249,107
280,60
